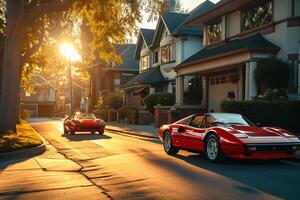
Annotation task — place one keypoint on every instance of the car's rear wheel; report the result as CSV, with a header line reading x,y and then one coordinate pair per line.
x,y
168,146
213,149
72,132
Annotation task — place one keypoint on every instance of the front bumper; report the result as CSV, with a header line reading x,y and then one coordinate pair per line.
x,y
89,128
263,151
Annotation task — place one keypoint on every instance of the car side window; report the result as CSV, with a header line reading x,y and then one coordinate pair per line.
x,y
203,123
196,121
210,121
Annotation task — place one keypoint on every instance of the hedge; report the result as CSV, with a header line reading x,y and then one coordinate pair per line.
x,y
284,114
162,98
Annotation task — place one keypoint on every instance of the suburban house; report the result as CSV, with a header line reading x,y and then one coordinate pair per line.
x,y
105,78
237,35
42,102
160,50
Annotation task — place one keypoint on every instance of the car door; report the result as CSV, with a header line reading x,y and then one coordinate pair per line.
x,y
195,133
190,135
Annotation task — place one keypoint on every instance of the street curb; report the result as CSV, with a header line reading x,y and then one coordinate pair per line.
x,y
23,153
132,133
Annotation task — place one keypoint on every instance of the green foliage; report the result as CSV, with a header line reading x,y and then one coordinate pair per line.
x,y
25,114
115,100
162,98
100,103
25,137
129,113
272,73
273,94
284,114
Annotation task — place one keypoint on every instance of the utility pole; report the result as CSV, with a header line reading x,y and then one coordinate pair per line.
x,y
71,87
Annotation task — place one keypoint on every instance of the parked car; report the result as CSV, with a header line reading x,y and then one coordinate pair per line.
x,y
220,135
83,122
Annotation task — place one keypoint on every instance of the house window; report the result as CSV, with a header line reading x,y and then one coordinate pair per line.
x,y
156,57
166,54
144,62
117,81
214,32
257,16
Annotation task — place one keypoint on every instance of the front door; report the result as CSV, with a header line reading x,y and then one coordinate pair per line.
x,y
219,87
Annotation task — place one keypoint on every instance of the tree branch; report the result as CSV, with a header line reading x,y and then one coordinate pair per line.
x,y
44,8
35,48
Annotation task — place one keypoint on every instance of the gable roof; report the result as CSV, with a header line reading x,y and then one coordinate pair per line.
x,y
145,36
252,43
196,30
126,51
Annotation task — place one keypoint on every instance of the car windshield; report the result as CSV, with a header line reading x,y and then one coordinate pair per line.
x,y
229,119
80,116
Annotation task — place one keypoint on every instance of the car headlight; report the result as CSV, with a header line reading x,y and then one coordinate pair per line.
x,y
101,122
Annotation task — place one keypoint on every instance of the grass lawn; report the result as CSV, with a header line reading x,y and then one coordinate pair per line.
x,y
25,137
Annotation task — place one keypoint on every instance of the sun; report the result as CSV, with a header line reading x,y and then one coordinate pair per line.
x,y
69,52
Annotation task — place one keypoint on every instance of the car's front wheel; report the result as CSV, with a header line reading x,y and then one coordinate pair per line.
x,y
101,131
168,146
213,149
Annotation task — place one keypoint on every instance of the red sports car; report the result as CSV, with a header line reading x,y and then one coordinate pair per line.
x,y
82,122
224,134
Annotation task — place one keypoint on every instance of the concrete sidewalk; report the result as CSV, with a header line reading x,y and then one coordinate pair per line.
x,y
149,131
47,176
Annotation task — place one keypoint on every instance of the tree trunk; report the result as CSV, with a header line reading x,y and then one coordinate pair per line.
x,y
11,74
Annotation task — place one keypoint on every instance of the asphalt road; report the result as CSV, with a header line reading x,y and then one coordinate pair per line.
x,y
130,167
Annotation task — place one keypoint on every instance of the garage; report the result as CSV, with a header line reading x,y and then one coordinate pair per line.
x,y
219,88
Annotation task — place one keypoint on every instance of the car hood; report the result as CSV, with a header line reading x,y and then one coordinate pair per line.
x,y
251,134
88,122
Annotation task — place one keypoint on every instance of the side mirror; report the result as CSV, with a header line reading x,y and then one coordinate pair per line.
x,y
180,129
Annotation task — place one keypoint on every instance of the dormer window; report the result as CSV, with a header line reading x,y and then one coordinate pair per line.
x,y
144,62
214,32
166,53
257,16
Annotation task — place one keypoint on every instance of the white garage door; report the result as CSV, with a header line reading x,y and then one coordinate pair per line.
x,y
219,86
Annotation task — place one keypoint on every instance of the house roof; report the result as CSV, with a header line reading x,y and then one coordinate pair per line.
x,y
252,43
147,35
126,51
41,81
221,8
173,20
196,30
150,76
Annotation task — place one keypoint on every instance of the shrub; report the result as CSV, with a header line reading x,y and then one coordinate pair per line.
x,y
162,98
130,113
101,113
25,114
284,114
115,100
272,73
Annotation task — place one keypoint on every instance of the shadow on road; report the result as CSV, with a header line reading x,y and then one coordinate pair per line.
x,y
270,176
85,136
6,163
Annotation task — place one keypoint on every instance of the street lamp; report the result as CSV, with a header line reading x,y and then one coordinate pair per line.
x,y
71,55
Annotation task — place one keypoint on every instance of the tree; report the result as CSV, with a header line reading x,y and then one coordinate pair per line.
x,y
109,22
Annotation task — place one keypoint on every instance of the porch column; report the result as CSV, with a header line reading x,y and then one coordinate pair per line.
x,y
179,90
204,91
250,83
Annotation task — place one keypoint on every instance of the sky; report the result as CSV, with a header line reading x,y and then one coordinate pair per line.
x,y
186,4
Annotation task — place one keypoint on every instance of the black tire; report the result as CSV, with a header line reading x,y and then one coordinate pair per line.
x,y
101,131
65,130
71,131
213,149
168,146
